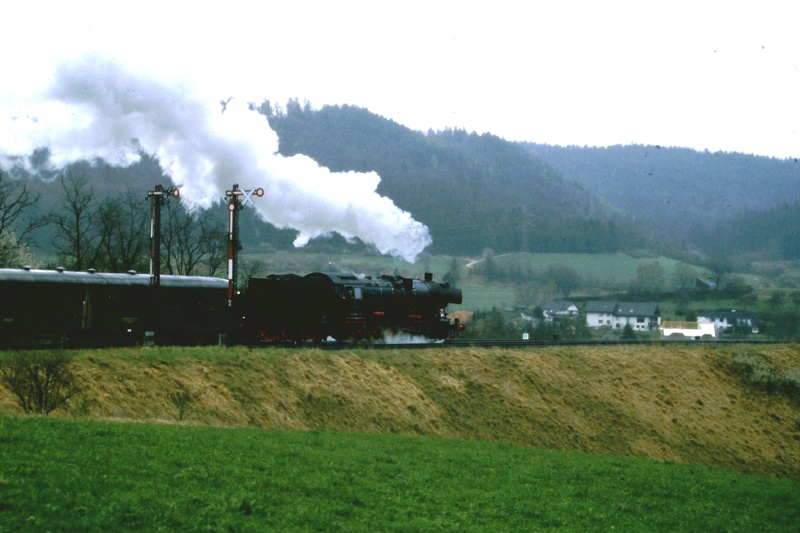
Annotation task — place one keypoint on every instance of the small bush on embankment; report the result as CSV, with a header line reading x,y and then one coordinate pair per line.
x,y
58,475
763,375
42,381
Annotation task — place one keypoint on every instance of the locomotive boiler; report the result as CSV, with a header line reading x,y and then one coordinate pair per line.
x,y
324,306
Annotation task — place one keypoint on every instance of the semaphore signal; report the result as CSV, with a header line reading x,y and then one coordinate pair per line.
x,y
158,196
237,198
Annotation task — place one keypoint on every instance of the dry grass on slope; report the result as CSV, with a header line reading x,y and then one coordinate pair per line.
x,y
669,403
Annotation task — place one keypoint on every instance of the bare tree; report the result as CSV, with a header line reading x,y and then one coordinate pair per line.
x,y
213,242
250,269
176,238
77,240
42,381
122,223
15,203
16,220
192,240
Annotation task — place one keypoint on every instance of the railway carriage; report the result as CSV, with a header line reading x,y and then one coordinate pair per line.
x,y
59,307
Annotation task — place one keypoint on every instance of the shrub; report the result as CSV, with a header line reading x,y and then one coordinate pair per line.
x,y
42,381
767,377
183,400
628,333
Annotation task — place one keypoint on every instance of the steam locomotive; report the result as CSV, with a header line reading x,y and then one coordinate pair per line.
x,y
320,306
59,307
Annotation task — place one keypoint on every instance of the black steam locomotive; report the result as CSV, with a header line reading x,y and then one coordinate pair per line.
x,y
58,307
319,307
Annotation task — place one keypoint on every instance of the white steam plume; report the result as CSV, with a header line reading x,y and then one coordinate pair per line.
x,y
94,108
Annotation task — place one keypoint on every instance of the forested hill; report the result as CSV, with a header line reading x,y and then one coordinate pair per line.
x,y
472,191
678,191
479,191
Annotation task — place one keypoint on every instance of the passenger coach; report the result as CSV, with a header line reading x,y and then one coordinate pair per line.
x,y
59,307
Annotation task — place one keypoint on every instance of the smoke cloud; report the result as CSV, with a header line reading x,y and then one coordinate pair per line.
x,y
94,108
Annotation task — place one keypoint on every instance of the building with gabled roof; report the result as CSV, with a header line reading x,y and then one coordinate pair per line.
x,y
642,316
557,309
600,314
725,320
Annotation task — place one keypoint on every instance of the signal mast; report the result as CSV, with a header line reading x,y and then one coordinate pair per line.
x,y
158,197
234,206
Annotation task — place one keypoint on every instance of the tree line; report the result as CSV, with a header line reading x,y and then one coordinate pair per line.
x,y
770,234
110,234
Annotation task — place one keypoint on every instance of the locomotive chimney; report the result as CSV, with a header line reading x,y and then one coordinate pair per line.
x,y
428,276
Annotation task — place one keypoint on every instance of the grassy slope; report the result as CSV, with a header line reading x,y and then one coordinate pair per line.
x,y
673,403
58,475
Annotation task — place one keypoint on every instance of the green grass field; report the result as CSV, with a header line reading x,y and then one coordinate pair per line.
x,y
58,475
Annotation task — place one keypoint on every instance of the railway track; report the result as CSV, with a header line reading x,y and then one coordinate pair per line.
x,y
454,343
508,343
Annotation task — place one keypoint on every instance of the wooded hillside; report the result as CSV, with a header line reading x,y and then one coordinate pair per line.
x,y
473,191
478,192
726,204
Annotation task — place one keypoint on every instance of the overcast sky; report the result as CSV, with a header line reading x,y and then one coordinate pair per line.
x,y
705,75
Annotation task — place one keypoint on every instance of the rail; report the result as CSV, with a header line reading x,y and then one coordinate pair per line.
x,y
507,343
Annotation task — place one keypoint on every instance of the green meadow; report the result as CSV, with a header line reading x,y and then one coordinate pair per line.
x,y
78,475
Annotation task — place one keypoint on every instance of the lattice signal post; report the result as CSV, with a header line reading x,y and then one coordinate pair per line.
x,y
234,205
158,197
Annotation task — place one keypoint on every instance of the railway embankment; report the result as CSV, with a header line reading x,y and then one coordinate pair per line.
x,y
735,407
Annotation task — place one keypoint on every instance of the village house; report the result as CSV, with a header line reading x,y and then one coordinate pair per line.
x,y
727,320
642,316
557,309
600,314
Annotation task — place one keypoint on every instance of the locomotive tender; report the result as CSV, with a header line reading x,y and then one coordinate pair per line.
x,y
58,307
